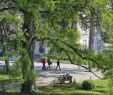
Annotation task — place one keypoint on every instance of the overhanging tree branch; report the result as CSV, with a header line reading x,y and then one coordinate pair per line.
x,y
82,66
6,9
80,55
76,51
63,49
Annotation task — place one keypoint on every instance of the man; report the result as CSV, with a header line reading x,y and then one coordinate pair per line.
x,y
58,65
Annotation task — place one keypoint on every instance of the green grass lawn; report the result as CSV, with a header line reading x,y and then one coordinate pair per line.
x,y
6,79
101,89
3,75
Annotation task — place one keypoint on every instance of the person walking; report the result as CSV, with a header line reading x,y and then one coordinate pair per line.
x,y
49,64
43,63
58,65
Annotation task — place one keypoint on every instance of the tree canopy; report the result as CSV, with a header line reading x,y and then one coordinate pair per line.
x,y
52,21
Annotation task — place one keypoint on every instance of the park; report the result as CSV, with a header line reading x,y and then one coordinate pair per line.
x,y
56,47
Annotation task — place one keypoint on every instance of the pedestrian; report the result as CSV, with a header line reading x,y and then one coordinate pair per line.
x,y
49,64
43,63
58,65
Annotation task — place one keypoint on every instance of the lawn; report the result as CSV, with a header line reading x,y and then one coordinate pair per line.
x,y
101,89
3,75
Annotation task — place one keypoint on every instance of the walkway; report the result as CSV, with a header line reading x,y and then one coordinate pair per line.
x,y
48,76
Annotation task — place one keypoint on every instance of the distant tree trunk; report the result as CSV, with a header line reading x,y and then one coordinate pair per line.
x,y
7,66
91,32
91,35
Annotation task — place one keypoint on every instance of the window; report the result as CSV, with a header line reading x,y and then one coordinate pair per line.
x,y
41,48
85,42
84,32
84,28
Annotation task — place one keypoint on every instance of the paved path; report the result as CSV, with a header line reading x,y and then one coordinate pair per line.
x,y
48,76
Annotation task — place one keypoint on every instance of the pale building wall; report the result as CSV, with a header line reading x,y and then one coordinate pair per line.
x,y
97,38
84,40
37,49
84,36
97,41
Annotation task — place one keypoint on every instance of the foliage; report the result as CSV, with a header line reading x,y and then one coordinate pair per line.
x,y
27,73
88,85
16,70
51,21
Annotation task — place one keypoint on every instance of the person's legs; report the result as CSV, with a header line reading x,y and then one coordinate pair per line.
x,y
56,67
59,67
48,67
43,67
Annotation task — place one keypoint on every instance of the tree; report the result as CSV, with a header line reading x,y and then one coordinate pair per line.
x,y
33,28
39,18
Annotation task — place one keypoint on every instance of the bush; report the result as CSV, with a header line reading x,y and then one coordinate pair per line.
x,y
88,85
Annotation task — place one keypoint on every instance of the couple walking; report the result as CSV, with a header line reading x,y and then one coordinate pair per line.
x,y
44,62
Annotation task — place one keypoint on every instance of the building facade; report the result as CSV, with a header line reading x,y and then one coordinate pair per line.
x,y
41,48
97,45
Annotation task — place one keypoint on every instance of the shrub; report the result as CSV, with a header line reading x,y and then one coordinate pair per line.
x,y
88,85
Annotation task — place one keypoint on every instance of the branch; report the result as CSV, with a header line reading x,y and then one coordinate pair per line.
x,y
79,64
96,75
35,38
69,58
6,9
80,55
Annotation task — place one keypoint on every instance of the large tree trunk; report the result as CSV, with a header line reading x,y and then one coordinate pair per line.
x,y
29,29
27,87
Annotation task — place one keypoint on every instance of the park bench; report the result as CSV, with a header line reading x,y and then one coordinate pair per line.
x,y
64,78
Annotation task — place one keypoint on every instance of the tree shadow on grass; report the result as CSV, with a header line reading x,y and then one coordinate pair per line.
x,y
66,91
102,91
9,93
84,94
2,71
